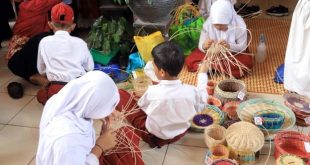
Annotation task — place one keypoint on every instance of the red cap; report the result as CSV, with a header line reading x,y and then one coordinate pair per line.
x,y
62,13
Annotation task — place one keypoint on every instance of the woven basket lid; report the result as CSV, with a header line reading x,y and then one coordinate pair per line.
x,y
301,103
244,137
288,159
247,109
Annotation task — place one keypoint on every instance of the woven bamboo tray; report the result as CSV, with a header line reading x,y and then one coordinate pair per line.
x,y
247,109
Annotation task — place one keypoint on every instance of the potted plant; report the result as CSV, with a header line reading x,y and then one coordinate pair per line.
x,y
151,10
108,37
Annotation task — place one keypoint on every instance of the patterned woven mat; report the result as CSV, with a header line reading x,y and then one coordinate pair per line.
x,y
261,78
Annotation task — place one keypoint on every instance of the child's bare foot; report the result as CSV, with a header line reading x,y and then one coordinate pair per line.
x,y
38,79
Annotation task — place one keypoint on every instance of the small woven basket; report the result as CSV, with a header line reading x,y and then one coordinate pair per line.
x,y
211,86
248,158
214,101
214,135
230,90
288,159
219,152
231,109
224,162
291,142
272,119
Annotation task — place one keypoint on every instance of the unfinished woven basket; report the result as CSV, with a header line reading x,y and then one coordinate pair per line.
x,y
214,135
288,159
291,142
249,108
230,90
141,84
244,137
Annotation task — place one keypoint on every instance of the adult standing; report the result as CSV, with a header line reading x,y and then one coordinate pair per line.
x,y
297,58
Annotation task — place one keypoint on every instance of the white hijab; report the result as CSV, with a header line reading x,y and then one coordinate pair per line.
x,y
223,12
70,112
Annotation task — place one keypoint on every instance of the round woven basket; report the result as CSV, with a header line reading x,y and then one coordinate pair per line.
x,y
244,137
219,152
288,159
224,162
210,115
249,108
230,108
214,101
211,86
291,142
214,135
230,90
271,119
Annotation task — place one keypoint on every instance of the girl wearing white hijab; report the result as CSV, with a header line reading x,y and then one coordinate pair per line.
x,y
225,27
67,136
205,5
297,58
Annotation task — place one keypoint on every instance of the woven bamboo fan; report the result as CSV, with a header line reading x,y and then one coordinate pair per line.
x,y
230,90
224,162
249,108
210,115
291,142
214,135
288,159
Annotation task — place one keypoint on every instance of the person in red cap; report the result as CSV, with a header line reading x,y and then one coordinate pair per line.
x,y
61,57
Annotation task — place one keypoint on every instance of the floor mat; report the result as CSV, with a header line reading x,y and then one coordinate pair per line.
x,y
261,78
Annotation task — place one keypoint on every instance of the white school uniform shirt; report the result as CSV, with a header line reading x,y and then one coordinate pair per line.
x,y
170,105
67,135
222,12
297,57
63,57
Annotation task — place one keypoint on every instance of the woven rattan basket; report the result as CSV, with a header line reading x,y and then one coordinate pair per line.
x,y
224,162
291,142
230,90
244,139
214,101
219,152
249,108
230,108
214,135
288,159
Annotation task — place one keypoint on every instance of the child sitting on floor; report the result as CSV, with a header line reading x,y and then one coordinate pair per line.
x,y
61,57
166,108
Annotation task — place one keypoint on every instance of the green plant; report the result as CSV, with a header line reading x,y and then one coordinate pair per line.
x,y
120,2
106,35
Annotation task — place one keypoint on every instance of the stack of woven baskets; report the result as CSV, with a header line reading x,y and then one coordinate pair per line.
x,y
300,106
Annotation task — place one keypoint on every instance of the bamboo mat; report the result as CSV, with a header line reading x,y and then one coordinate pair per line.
x,y
260,80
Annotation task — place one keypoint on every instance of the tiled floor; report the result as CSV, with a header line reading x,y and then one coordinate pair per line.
x,y
19,120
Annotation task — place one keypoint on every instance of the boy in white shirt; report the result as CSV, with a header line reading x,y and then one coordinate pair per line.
x,y
167,108
61,57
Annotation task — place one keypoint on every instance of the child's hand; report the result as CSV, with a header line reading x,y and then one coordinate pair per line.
x,y
224,43
204,67
107,140
207,44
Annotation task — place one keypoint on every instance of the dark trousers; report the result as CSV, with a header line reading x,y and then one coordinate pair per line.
x,y
24,62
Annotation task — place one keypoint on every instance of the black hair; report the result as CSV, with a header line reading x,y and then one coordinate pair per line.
x,y
169,56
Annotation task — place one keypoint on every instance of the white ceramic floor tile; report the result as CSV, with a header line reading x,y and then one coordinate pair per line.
x,y
30,116
10,107
29,89
18,145
5,75
192,139
185,155
1,126
153,156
